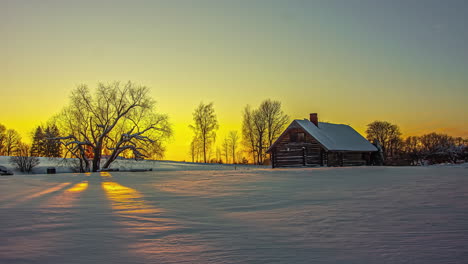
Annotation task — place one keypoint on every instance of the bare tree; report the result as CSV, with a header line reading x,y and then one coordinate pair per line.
x,y
11,142
274,118
386,133
193,149
218,155
233,143
205,126
2,139
23,159
226,149
248,135
117,118
260,131
154,150
261,127
196,149
413,149
434,142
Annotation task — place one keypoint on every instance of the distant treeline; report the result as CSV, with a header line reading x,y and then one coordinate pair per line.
x,y
431,148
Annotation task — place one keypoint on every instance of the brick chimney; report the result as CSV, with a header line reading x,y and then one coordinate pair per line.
x,y
314,119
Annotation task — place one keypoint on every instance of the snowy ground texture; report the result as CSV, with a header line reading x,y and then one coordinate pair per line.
x,y
66,165
323,215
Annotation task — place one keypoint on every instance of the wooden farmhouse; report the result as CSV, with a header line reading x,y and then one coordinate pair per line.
x,y
312,143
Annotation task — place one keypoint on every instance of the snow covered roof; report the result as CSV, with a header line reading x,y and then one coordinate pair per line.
x,y
335,137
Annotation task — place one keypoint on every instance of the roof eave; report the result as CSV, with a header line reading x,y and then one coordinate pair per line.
x,y
343,150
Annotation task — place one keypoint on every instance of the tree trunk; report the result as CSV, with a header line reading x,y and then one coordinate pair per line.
x,y
204,150
111,159
97,158
96,164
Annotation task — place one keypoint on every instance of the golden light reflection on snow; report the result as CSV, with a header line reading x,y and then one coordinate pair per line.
x,y
79,187
38,194
151,232
105,174
126,199
67,198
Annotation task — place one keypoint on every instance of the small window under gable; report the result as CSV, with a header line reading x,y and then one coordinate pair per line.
x,y
300,137
297,137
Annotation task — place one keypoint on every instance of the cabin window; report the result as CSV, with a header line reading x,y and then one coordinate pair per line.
x,y
297,137
300,137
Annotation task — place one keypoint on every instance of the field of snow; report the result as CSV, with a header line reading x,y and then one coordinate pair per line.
x,y
322,215
66,165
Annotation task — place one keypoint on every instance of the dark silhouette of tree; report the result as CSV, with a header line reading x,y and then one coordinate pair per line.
x,y
438,148
218,155
205,126
116,118
225,145
38,142
387,134
43,142
434,142
261,127
2,139
248,135
23,159
274,118
12,142
412,149
233,143
52,147
155,150
260,130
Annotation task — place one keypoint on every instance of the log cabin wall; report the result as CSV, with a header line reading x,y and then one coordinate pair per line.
x,y
297,148
335,159
354,159
343,158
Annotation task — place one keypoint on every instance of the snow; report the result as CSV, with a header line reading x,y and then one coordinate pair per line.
x,y
183,215
337,136
65,165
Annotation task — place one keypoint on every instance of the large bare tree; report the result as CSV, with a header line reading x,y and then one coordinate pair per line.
x,y
261,127
205,126
116,118
388,135
274,118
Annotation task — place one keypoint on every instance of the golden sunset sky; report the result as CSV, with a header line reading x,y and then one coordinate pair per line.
x,y
352,62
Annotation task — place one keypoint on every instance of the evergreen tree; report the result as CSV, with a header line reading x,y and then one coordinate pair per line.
x,y
43,145
38,143
52,147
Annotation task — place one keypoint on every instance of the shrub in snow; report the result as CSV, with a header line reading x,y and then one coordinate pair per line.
x,y
24,163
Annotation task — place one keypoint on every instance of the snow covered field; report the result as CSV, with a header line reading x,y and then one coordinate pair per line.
x,y
323,215
65,165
